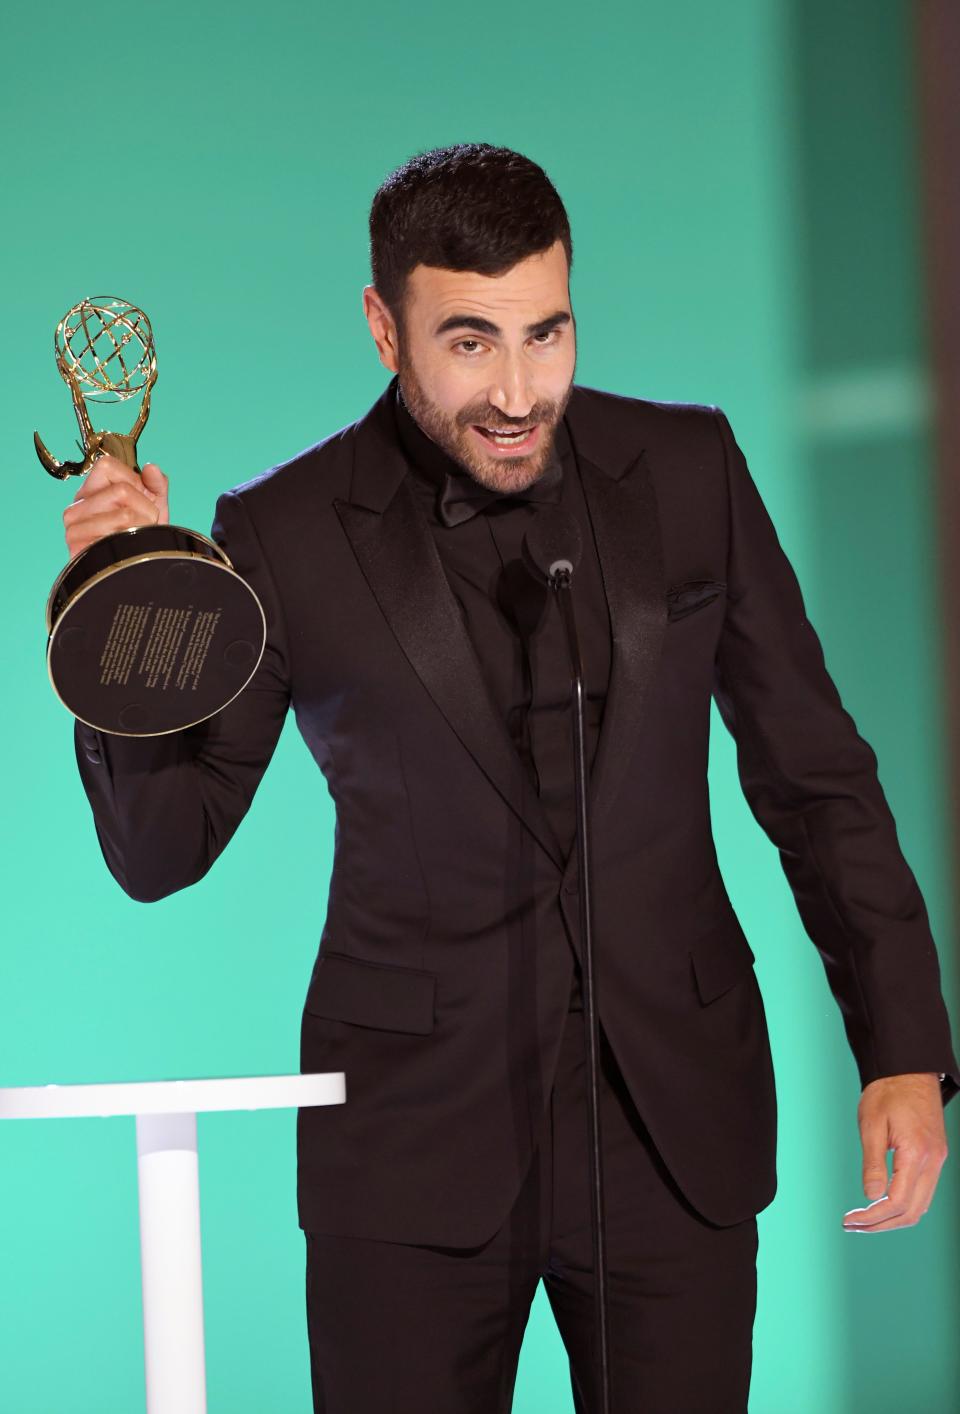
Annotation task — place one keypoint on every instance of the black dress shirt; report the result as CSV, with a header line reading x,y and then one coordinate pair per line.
x,y
514,622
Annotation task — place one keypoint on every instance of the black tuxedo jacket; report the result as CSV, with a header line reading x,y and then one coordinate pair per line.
x,y
444,974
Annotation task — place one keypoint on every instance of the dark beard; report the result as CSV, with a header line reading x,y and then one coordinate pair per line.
x,y
455,437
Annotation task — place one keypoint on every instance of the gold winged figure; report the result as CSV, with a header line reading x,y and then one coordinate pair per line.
x,y
104,348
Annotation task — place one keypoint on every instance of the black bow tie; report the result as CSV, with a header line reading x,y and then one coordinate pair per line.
x,y
461,497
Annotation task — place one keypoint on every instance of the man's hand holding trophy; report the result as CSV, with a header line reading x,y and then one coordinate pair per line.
x,y
150,628
114,497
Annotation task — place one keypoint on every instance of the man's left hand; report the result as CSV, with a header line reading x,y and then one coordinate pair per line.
x,y
903,1113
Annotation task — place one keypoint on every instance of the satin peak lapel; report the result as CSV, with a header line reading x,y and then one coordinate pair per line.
x,y
399,560
623,512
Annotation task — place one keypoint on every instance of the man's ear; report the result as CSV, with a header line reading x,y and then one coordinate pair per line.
x,y
382,327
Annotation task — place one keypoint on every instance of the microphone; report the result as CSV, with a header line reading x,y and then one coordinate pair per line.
x,y
552,550
552,546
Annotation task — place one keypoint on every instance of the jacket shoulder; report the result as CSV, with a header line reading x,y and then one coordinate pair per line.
x,y
321,470
620,410
615,427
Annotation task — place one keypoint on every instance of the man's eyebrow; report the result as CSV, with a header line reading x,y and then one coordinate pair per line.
x,y
485,326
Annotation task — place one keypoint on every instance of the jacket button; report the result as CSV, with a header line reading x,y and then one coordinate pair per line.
x,y
94,757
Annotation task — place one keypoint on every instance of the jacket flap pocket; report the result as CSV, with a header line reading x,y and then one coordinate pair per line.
x,y
693,594
345,988
719,959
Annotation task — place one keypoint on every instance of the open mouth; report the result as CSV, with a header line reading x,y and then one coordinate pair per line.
x,y
516,442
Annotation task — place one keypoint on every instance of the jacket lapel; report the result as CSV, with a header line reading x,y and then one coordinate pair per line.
x,y
623,513
400,563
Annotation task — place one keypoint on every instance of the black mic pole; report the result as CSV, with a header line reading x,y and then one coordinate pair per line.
x,y
551,531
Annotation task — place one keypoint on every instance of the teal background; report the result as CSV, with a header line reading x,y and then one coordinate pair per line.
x,y
742,187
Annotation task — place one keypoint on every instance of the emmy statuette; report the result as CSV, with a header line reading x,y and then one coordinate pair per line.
x,y
150,629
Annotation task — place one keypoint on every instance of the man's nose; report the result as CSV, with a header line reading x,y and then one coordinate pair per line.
x,y
510,393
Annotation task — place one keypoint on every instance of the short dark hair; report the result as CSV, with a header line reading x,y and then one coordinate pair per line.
x,y
471,206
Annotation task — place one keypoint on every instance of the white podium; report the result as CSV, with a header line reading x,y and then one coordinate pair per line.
x,y
169,1188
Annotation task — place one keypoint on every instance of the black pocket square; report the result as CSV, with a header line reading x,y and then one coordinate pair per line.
x,y
692,594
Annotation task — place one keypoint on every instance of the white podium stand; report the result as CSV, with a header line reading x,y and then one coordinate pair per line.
x,y
169,1187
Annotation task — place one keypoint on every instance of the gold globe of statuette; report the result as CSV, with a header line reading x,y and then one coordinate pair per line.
x,y
108,346
150,629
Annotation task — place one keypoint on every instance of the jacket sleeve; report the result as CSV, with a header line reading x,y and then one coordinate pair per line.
x,y
165,806
811,781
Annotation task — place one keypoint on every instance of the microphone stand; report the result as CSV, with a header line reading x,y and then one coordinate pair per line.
x,y
560,577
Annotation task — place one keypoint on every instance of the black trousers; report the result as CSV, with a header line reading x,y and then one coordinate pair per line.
x,y
399,1329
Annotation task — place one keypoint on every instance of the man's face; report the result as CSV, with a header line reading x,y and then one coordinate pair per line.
x,y
480,353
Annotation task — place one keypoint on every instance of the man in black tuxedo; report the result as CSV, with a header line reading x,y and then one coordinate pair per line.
x,y
427,670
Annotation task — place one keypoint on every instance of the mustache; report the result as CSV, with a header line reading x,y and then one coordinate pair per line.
x,y
497,419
